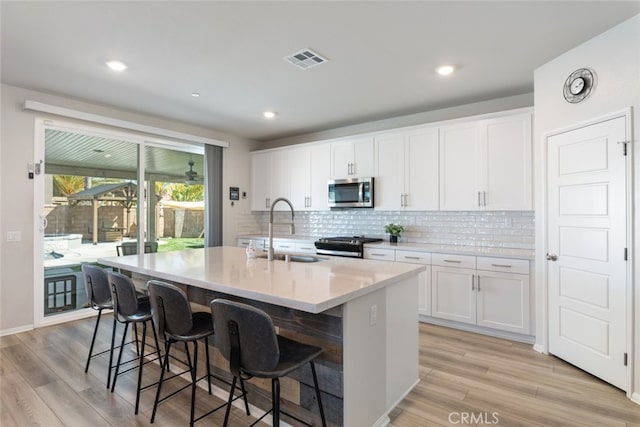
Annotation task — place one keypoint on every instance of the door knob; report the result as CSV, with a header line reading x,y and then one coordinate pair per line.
x,y
552,257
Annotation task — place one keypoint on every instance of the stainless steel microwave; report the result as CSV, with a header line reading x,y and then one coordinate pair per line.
x,y
351,193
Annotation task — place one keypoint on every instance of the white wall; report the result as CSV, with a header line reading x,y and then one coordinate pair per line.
x,y
615,57
17,192
457,112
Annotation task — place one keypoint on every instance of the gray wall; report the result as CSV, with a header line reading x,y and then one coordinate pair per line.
x,y
17,210
615,57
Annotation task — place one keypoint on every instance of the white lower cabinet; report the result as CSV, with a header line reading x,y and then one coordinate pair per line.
x,y
424,279
493,295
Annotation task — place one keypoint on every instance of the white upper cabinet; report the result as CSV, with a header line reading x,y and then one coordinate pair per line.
x,y
309,172
260,181
269,179
459,167
507,163
486,164
406,173
351,158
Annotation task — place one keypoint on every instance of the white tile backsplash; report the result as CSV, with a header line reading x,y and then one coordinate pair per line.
x,y
500,229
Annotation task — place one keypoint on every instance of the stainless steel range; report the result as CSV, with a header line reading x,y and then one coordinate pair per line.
x,y
344,246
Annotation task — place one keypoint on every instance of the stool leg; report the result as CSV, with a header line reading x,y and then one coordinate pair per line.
x,y
244,395
315,383
233,389
167,349
140,365
194,378
155,338
206,353
113,342
115,374
93,340
275,395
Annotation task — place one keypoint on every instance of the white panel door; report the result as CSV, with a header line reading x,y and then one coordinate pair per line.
x,y
422,171
341,159
459,167
587,232
363,157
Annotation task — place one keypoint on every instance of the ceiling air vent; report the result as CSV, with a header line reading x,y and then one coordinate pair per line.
x,y
306,58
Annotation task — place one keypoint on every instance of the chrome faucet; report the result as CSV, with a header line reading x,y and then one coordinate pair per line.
x,y
271,224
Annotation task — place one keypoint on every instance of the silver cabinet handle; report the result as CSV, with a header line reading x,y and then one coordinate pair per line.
x,y
484,198
501,265
411,257
309,202
406,200
372,254
473,279
267,203
402,200
453,261
285,246
552,257
479,199
478,283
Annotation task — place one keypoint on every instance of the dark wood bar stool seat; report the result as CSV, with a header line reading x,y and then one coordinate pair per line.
x,y
128,309
246,337
178,324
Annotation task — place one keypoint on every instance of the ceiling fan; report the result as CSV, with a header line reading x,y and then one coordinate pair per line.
x,y
191,175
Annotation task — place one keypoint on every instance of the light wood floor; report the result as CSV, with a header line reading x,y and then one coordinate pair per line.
x,y
486,380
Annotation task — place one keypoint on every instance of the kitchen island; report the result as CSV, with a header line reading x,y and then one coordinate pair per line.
x,y
363,313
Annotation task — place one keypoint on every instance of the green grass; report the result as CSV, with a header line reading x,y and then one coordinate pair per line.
x,y
177,244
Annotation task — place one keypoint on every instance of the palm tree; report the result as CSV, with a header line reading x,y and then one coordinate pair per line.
x,y
69,184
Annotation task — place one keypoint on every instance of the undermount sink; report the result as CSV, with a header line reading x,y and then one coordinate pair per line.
x,y
293,258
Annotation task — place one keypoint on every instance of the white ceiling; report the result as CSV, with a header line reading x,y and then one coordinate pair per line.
x,y
382,55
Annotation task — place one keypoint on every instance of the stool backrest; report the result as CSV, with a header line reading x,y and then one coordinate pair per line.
x,y
123,293
258,343
96,284
170,308
131,248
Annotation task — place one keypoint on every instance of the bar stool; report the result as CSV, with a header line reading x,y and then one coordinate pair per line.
x,y
96,284
129,310
246,337
176,323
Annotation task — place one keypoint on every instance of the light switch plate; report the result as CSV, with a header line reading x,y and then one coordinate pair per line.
x,y
14,236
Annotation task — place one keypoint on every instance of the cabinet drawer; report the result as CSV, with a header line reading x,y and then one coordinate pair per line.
x,y
414,257
383,254
307,248
449,260
519,266
243,242
284,246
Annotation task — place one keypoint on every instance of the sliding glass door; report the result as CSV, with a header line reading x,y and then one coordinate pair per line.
x,y
106,194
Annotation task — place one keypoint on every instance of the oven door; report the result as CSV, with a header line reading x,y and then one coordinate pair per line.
x,y
351,193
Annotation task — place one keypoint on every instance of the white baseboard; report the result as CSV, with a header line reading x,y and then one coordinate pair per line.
x,y
382,421
528,339
17,330
539,348
635,397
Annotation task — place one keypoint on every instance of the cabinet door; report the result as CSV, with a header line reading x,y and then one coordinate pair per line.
x,y
260,181
507,163
300,177
422,171
389,174
320,174
453,295
459,171
503,301
280,177
424,287
341,159
363,157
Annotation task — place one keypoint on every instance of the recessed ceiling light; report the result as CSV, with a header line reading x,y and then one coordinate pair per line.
x,y
116,65
106,156
445,70
195,94
269,114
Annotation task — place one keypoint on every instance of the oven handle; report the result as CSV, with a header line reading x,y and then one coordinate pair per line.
x,y
338,253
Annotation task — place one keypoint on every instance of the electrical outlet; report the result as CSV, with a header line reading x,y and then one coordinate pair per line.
x,y
13,236
373,315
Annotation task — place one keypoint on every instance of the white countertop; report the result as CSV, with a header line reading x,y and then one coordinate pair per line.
x,y
311,287
528,254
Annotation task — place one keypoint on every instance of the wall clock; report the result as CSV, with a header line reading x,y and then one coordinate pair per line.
x,y
578,85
